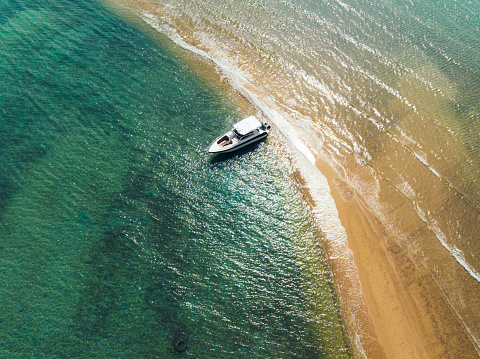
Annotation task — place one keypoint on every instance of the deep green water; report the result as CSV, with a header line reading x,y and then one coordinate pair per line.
x,y
119,236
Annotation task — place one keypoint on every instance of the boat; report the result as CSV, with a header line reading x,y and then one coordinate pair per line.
x,y
243,133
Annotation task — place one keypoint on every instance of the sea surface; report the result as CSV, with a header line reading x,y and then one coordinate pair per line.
x,y
120,236
387,93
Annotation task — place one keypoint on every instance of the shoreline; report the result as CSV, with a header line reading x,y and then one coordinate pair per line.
x,y
411,317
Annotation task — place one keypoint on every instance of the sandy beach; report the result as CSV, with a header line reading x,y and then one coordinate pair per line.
x,y
410,316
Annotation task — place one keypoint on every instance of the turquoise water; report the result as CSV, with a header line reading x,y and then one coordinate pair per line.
x,y
119,235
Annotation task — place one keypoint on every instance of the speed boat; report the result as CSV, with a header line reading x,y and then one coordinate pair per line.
x,y
243,133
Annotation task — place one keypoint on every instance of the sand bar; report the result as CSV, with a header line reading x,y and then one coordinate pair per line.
x,y
411,317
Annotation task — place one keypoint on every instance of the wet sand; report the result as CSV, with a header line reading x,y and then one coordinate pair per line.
x,y
410,316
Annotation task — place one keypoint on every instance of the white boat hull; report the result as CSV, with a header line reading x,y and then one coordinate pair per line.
x,y
215,148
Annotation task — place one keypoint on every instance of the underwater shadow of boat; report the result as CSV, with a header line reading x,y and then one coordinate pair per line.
x,y
221,159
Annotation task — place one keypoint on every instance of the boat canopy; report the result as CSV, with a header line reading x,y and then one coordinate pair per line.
x,y
247,125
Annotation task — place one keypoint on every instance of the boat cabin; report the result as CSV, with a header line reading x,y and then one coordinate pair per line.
x,y
247,126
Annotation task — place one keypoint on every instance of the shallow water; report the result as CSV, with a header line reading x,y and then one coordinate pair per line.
x,y
388,94
119,235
